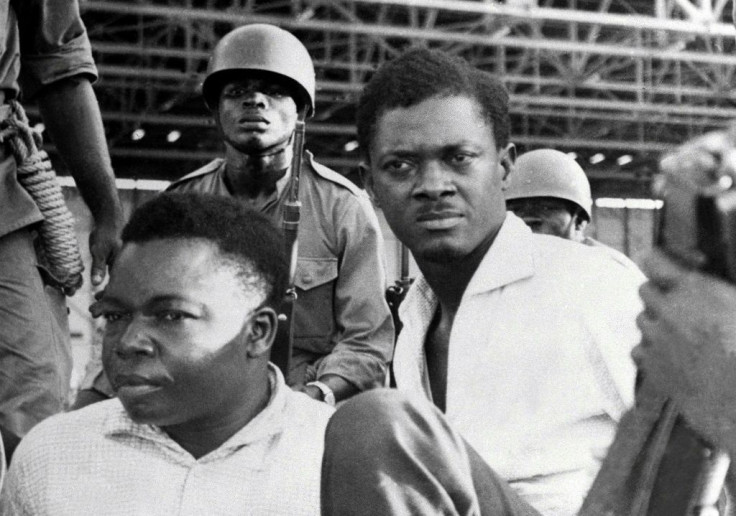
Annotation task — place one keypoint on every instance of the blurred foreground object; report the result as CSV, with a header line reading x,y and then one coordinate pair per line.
x,y
659,463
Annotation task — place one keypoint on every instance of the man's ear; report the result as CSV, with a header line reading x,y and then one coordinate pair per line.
x,y
262,331
507,157
367,178
580,222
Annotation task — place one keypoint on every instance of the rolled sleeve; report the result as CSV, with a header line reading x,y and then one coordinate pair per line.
x,y
365,331
53,44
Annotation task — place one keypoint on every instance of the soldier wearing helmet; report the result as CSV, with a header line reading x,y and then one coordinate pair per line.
x,y
259,82
551,193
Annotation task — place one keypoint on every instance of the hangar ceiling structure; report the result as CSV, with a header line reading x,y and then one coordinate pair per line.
x,y
620,78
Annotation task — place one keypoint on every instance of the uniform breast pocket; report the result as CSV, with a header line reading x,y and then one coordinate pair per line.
x,y
314,318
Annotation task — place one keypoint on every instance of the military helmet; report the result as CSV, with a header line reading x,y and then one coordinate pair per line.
x,y
262,48
550,173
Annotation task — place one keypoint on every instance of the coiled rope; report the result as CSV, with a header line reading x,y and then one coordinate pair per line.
x,y
58,240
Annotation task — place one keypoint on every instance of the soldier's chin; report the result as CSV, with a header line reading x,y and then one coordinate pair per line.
x,y
260,144
441,254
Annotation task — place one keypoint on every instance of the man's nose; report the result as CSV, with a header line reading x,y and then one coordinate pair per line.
x,y
434,181
135,340
254,97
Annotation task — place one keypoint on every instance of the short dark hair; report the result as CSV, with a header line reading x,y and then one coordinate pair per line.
x,y
246,238
420,74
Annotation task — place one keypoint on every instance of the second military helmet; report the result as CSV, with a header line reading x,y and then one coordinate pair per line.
x,y
262,48
550,173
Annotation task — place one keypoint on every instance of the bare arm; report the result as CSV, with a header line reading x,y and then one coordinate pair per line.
x,y
70,111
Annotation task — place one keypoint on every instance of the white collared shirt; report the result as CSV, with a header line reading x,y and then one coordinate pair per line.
x,y
98,461
539,367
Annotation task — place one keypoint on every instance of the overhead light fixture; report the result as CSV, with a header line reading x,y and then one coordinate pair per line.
x,y
597,158
173,136
306,14
630,204
351,146
624,159
138,134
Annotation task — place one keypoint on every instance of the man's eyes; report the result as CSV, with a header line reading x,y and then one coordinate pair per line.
x,y
462,158
400,166
271,91
397,166
113,316
171,315
276,91
234,92
162,316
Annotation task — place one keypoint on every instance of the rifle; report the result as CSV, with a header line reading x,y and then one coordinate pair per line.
x,y
657,465
395,293
281,349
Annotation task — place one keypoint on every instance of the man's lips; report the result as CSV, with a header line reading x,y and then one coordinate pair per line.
x,y
135,385
438,220
253,119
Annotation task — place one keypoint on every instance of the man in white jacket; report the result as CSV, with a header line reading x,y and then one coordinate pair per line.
x,y
522,340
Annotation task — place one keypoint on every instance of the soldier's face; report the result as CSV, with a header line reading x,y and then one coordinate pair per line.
x,y
256,115
546,216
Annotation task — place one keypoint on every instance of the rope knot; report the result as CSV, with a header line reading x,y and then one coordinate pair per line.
x,y
37,176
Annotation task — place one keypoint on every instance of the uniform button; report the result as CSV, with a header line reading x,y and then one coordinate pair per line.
x,y
307,278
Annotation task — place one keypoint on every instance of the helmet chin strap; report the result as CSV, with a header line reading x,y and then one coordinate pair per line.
x,y
279,156
276,157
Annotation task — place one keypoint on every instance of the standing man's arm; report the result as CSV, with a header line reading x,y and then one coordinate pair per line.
x,y
57,71
71,114
365,337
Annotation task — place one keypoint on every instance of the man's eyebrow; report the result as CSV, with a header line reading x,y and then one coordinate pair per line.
x,y
160,299
398,152
165,298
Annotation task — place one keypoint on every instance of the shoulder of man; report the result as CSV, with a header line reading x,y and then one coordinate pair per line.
x,y
584,261
53,435
202,172
615,255
330,175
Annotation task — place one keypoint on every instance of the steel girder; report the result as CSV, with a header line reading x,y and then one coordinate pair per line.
x,y
633,77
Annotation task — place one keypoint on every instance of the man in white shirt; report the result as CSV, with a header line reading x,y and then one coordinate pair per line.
x,y
202,423
522,340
